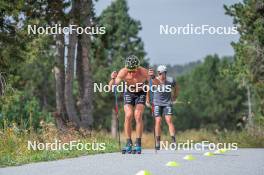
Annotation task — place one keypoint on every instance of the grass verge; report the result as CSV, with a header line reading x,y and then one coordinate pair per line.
x,y
14,142
14,145
244,138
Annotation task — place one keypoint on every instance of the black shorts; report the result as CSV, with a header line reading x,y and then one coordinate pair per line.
x,y
134,98
162,110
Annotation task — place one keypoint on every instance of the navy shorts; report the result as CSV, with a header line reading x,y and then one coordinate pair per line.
x,y
162,110
134,98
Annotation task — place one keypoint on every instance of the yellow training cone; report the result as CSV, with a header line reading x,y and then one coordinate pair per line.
x,y
208,154
223,150
189,157
218,152
173,164
143,172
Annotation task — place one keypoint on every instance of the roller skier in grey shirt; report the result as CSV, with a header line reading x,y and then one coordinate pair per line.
x,y
163,97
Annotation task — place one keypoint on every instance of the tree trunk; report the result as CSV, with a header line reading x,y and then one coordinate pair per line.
x,y
60,122
79,63
69,99
250,118
86,83
59,73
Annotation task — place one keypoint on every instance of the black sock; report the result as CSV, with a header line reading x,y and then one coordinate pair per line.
x,y
138,141
173,138
129,141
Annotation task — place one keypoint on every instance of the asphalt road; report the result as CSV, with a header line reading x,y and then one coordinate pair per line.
x,y
240,162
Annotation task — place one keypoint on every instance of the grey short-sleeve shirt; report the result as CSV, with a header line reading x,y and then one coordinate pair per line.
x,y
162,94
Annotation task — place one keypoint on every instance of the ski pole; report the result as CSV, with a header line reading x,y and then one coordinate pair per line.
x,y
116,113
152,112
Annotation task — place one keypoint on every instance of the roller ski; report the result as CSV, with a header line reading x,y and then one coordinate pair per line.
x,y
136,150
127,149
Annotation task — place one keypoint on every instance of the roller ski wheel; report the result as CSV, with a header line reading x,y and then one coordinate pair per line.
x,y
136,150
127,149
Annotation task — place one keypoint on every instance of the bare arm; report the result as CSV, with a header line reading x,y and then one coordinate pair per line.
x,y
155,81
148,99
150,74
116,77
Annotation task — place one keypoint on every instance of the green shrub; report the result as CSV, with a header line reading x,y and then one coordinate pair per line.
x,y
16,107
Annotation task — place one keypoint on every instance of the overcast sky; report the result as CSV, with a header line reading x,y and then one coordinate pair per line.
x,y
179,49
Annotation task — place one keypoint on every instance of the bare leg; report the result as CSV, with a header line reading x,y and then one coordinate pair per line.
x,y
157,125
170,124
138,117
128,120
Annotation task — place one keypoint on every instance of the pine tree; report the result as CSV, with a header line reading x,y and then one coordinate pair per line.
x,y
249,50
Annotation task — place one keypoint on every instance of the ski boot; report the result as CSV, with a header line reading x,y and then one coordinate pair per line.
x,y
157,146
137,149
127,149
174,145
